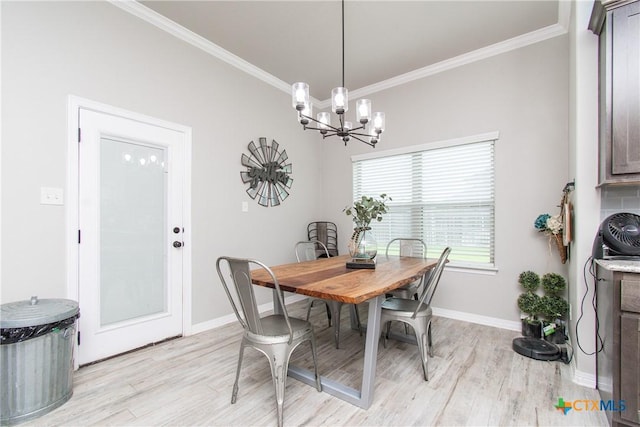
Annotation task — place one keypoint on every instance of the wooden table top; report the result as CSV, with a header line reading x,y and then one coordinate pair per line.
x,y
329,278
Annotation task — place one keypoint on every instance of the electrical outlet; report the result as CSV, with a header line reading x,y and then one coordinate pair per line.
x,y
51,196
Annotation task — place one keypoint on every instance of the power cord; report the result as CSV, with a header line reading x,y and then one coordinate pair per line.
x,y
599,342
566,356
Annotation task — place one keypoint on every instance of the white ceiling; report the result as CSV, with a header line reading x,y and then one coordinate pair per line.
x,y
301,40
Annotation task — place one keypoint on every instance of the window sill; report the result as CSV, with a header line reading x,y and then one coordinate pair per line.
x,y
472,269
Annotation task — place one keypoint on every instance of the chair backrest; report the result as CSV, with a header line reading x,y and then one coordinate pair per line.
x,y
408,246
246,310
308,250
326,232
430,286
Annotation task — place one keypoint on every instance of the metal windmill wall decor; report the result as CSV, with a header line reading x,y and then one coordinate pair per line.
x,y
267,172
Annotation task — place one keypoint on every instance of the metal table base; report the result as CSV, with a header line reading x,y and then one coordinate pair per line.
x,y
362,398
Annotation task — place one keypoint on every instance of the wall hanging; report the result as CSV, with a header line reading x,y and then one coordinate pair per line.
x,y
267,172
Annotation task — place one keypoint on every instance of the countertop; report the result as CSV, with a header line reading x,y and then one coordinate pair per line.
x,y
620,265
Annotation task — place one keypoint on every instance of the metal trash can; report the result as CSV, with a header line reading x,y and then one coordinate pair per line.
x,y
36,357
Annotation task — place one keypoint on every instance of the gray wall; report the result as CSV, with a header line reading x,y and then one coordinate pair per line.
x,y
583,168
97,51
523,94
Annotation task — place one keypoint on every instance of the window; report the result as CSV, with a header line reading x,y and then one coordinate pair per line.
x,y
442,193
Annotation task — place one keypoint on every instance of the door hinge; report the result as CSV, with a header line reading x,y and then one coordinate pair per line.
x,y
79,135
78,337
79,237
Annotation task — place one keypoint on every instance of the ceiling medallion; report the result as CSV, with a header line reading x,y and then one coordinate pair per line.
x,y
267,173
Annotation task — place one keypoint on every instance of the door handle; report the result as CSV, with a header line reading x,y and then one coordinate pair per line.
x,y
177,244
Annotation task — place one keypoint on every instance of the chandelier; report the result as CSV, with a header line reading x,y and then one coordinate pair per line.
x,y
371,125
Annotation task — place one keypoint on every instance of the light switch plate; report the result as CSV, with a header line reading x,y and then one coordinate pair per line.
x,y
51,196
245,207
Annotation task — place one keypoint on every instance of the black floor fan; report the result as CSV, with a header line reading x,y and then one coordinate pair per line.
x,y
618,237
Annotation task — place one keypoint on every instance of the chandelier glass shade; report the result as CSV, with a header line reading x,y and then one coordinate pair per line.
x,y
370,126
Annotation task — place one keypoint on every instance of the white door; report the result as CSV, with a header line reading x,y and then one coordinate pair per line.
x,y
130,234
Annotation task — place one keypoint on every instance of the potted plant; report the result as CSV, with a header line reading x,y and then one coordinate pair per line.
x,y
554,308
362,244
529,303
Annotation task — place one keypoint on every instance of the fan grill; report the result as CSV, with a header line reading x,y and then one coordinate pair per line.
x,y
625,228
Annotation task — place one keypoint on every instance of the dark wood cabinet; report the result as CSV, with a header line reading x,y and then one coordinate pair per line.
x,y
629,361
618,25
618,363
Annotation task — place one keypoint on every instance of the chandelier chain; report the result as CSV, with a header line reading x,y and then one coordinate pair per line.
x,y
343,43
369,135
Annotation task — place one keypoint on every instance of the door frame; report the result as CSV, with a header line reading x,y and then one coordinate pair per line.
x,y
76,103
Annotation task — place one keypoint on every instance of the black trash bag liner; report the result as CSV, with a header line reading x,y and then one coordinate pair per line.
x,y
14,335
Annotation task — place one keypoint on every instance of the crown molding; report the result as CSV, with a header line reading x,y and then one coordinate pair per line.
x,y
514,43
564,14
177,30
171,27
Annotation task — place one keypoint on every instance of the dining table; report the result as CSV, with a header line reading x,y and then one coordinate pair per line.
x,y
330,279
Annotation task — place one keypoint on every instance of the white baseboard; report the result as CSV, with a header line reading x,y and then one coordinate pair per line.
x,y
476,318
584,379
451,314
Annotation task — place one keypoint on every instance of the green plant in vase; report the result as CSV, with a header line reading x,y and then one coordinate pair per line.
x,y
362,243
529,303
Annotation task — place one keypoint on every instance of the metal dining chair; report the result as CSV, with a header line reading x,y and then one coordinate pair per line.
x,y
326,232
416,313
407,246
276,336
308,250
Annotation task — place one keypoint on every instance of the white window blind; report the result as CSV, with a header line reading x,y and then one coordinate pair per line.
x,y
444,196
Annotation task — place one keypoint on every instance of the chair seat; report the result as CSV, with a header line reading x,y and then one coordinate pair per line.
x,y
274,329
402,307
406,291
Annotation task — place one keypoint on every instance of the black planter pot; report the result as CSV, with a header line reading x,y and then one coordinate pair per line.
x,y
559,336
531,328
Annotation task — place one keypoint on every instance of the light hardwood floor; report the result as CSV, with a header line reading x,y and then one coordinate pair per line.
x,y
475,379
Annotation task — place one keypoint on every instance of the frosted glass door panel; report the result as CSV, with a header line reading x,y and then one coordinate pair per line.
x,y
133,194
130,215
